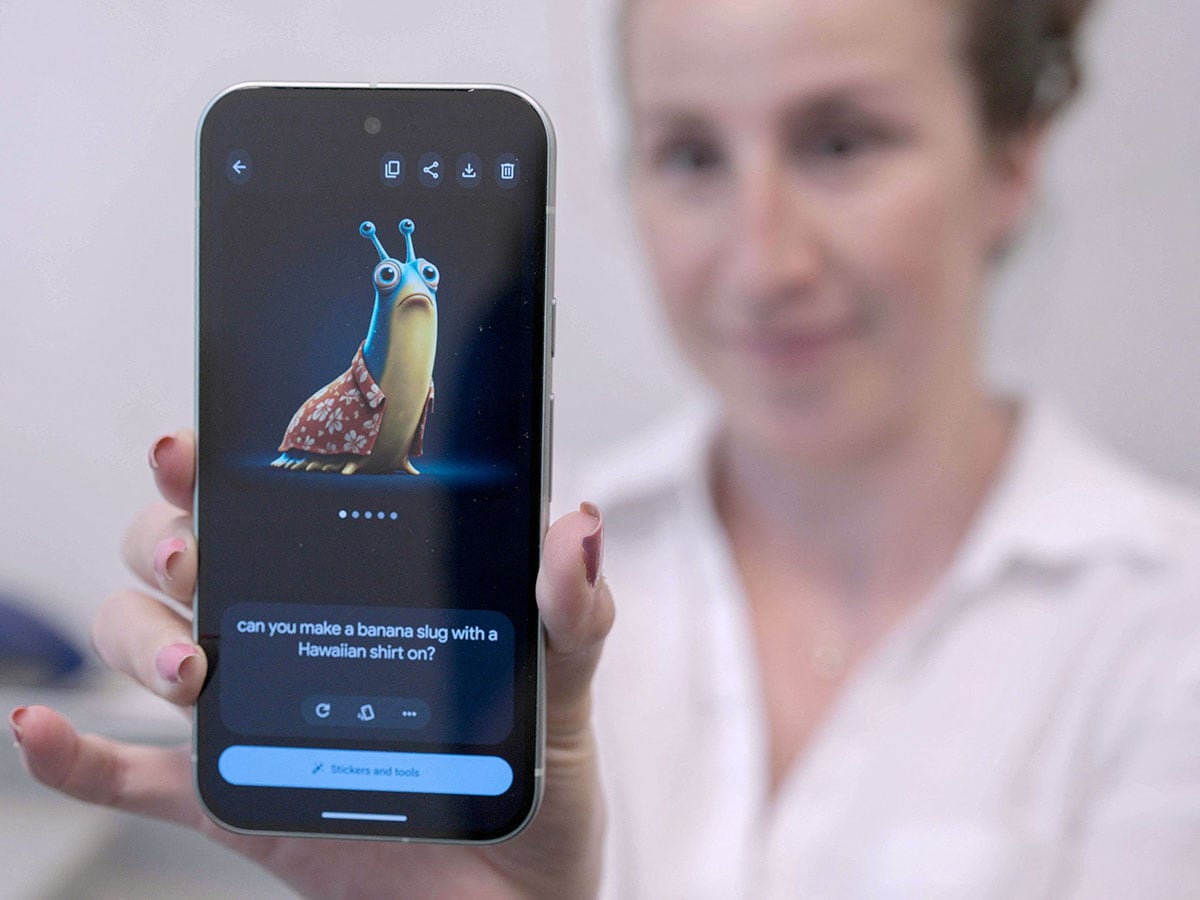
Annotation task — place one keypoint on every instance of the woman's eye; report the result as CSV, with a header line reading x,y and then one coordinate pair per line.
x,y
688,157
839,144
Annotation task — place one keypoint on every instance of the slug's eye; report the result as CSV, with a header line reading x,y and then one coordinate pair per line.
x,y
386,275
430,273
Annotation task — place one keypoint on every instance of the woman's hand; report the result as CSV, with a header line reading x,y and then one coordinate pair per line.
x,y
558,855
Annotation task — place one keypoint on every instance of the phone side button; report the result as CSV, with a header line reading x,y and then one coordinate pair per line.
x,y
550,453
553,325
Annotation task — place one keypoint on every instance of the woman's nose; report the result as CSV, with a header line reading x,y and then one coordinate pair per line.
x,y
775,237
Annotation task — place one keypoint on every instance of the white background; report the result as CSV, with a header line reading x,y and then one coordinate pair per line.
x,y
98,109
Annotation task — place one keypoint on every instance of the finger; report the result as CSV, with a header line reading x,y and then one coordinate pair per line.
x,y
577,612
160,549
150,781
173,460
139,636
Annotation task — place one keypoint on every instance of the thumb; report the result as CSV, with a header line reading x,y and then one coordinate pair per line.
x,y
577,612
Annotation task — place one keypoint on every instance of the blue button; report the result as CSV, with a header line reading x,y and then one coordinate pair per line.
x,y
508,170
429,168
391,169
365,770
469,169
238,166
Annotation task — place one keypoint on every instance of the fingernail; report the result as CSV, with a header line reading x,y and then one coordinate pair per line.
x,y
14,722
167,550
171,659
593,543
167,440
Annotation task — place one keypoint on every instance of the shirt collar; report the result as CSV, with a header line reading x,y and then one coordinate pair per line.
x,y
1060,500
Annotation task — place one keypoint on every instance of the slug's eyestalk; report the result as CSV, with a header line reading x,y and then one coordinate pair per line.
x,y
367,230
407,228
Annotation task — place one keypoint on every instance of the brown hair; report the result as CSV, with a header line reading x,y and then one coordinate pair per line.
x,y
1023,56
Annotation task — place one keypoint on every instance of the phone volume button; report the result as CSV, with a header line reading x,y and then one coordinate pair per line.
x,y
553,324
550,452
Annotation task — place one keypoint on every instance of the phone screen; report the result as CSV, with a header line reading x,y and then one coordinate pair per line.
x,y
372,419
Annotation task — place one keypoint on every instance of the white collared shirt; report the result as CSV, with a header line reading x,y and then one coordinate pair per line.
x,y
1032,730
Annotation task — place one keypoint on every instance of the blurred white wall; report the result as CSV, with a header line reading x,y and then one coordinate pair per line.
x,y
98,107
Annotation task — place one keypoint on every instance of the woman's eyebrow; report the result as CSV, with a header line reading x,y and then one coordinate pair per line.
x,y
829,102
845,99
671,118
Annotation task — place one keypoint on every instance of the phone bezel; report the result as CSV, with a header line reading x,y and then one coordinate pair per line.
x,y
547,403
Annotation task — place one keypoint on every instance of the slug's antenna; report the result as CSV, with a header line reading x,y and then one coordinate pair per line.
x,y
406,228
367,230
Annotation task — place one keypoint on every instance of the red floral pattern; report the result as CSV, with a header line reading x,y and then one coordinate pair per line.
x,y
341,418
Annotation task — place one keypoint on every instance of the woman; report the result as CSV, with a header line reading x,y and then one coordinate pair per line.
x,y
900,634
882,633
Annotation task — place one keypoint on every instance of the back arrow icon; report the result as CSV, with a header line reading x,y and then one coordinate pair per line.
x,y
239,167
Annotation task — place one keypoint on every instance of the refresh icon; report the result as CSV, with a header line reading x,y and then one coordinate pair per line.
x,y
322,710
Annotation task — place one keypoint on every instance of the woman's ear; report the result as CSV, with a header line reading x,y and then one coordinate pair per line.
x,y
1015,165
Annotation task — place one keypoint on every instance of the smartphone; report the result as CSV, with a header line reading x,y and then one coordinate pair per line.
x,y
374,329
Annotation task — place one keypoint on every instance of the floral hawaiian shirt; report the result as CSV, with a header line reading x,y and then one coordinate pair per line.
x,y
342,417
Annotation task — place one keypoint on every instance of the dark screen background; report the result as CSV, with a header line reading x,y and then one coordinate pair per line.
x,y
285,299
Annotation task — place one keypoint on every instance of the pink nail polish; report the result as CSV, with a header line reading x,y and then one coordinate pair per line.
x,y
14,723
171,659
593,543
167,440
167,549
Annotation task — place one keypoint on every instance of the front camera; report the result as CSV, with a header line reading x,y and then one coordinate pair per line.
x,y
372,125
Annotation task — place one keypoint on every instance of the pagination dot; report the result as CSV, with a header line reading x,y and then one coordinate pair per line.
x,y
368,514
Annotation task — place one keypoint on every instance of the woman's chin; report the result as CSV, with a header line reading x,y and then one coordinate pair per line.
x,y
813,430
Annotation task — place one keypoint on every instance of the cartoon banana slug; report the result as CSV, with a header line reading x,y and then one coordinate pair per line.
x,y
372,418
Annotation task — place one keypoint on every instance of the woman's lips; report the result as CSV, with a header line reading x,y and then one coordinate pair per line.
x,y
795,346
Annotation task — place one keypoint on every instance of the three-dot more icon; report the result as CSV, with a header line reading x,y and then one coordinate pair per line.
x,y
507,170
